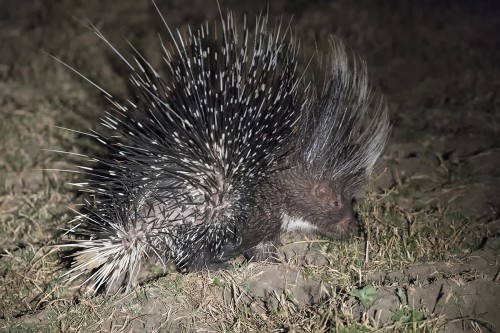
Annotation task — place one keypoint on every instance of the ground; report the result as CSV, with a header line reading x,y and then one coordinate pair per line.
x,y
429,260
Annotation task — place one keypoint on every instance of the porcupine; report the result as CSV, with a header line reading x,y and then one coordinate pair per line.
x,y
186,159
342,134
333,157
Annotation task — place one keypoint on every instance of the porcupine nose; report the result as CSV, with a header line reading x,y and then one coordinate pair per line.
x,y
347,226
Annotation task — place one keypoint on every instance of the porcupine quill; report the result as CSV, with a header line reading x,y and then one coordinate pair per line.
x,y
185,159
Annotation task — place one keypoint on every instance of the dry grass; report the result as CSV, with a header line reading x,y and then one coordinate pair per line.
x,y
342,285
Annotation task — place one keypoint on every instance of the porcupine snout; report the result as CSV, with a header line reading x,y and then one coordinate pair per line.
x,y
346,226
336,217
320,206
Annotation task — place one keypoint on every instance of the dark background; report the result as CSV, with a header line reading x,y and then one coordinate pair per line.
x,y
436,62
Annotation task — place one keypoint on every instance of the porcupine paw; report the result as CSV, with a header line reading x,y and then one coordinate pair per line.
x,y
204,262
264,251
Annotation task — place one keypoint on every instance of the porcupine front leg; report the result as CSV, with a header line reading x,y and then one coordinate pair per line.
x,y
268,223
204,260
259,236
264,251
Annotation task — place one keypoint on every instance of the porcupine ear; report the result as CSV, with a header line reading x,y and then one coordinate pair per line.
x,y
322,190
345,129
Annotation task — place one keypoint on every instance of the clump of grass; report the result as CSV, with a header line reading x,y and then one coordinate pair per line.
x,y
29,278
338,311
396,237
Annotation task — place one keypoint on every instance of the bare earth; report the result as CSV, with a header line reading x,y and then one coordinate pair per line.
x,y
437,63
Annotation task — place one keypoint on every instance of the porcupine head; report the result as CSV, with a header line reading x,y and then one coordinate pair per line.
x,y
341,135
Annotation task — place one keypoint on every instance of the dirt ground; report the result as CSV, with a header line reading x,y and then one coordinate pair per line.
x,y
437,64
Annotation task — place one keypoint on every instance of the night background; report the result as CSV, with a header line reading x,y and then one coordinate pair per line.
x,y
432,213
